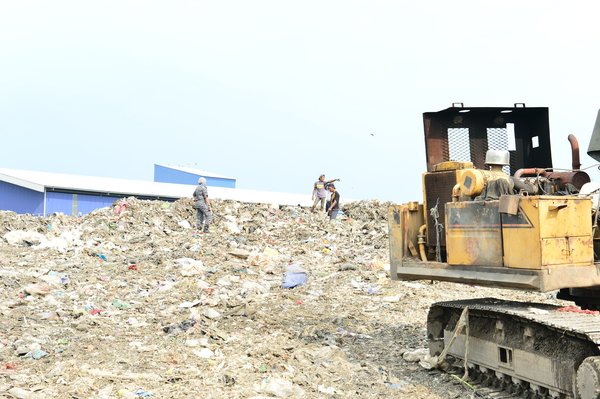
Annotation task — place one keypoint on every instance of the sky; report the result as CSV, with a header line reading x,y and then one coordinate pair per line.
x,y
274,93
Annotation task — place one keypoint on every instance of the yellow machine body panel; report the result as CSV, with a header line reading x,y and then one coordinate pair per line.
x,y
539,249
452,165
548,231
404,231
473,234
473,181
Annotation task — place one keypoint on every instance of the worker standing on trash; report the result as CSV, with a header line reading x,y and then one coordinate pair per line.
x,y
334,205
202,205
319,193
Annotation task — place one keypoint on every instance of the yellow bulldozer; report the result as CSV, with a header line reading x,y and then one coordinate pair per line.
x,y
495,212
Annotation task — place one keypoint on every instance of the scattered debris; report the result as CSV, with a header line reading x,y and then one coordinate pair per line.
x,y
129,301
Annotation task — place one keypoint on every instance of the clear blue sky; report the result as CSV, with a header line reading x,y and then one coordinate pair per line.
x,y
275,93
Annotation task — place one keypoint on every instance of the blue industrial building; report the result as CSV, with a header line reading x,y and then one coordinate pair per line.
x,y
42,193
24,200
187,175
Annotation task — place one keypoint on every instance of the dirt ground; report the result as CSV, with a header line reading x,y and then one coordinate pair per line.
x,y
131,302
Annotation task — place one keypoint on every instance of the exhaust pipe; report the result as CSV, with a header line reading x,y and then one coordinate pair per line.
x,y
576,165
576,177
531,172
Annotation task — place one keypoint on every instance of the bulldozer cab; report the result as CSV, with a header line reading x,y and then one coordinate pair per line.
x,y
519,224
464,134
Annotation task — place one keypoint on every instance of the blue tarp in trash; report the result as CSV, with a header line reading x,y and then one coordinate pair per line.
x,y
294,276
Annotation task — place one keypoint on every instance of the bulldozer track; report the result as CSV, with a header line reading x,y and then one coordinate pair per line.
x,y
510,342
486,385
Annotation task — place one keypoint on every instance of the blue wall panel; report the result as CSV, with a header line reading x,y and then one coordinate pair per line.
x,y
59,203
164,174
23,200
20,199
75,203
87,203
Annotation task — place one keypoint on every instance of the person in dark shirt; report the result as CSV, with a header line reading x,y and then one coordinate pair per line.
x,y
202,205
334,205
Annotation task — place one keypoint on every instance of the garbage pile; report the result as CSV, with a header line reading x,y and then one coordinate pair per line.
x,y
131,301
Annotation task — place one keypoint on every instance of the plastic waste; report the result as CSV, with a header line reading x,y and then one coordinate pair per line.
x,y
233,228
184,224
326,390
204,353
119,304
123,393
372,290
120,207
182,326
189,304
20,393
281,388
140,393
392,298
229,283
344,332
415,355
294,276
270,252
37,289
36,354
365,287
212,313
347,266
